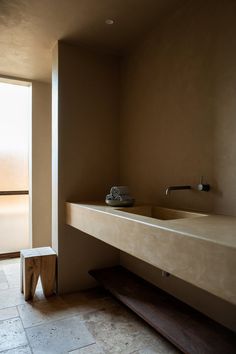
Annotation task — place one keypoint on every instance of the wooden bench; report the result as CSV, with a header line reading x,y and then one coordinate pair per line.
x,y
37,262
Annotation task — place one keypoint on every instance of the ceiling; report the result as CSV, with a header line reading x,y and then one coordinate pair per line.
x,y
30,28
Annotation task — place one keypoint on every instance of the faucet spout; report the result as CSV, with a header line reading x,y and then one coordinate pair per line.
x,y
175,188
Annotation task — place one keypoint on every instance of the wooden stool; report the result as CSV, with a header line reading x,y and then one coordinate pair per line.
x,y
37,262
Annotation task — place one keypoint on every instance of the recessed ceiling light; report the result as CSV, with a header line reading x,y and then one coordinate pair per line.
x,y
109,21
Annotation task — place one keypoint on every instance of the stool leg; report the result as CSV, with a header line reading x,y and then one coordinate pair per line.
x,y
48,273
31,271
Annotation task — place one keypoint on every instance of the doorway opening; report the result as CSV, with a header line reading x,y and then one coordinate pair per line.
x,y
15,119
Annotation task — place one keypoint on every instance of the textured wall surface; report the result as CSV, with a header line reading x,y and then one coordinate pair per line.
x,y
178,109
176,112
178,122
41,164
85,154
29,29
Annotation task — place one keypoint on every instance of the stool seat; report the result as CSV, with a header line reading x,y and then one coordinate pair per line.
x,y
37,262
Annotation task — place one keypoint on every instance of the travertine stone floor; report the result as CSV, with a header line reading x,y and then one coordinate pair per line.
x,y
90,322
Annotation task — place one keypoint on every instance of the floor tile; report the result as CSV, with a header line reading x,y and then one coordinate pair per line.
x,y
4,286
7,313
90,349
159,348
9,261
12,268
20,350
90,295
59,337
71,323
11,297
12,334
84,302
13,281
118,330
50,309
3,280
12,271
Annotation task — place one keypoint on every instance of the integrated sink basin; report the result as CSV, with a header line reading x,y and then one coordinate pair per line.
x,y
161,213
195,247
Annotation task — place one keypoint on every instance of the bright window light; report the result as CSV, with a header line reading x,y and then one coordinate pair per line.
x,y
14,133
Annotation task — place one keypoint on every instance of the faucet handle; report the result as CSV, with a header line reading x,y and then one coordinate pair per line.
x,y
203,187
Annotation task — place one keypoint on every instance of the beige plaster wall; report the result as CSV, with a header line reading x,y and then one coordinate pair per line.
x,y
85,154
178,109
41,164
214,307
178,122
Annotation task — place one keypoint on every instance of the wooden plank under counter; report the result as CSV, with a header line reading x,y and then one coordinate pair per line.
x,y
189,330
168,245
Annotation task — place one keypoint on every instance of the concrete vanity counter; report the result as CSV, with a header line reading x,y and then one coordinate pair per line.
x,y
200,250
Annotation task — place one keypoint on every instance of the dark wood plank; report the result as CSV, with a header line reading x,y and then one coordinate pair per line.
x,y
189,330
9,255
4,193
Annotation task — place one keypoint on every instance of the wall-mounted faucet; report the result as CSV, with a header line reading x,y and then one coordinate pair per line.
x,y
200,187
176,188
